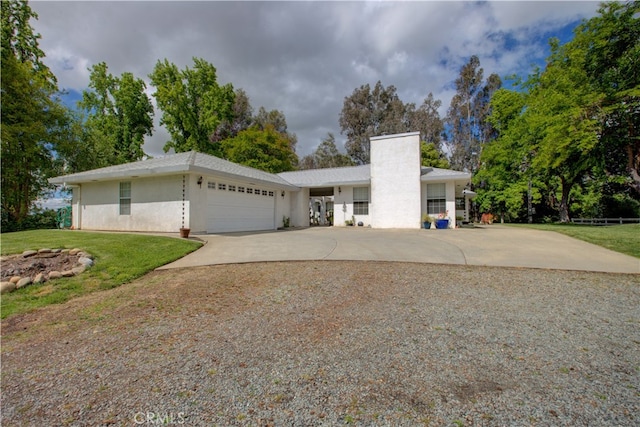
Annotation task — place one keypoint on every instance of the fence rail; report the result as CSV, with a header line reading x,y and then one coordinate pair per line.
x,y
605,221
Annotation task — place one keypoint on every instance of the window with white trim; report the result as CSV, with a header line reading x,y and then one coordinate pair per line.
x,y
270,193
361,200
211,185
436,198
232,187
264,192
249,190
240,189
125,198
222,186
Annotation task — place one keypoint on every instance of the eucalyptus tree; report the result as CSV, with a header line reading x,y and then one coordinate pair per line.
x,y
467,127
366,113
326,155
277,120
427,120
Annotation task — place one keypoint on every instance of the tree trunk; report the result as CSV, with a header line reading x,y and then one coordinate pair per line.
x,y
563,208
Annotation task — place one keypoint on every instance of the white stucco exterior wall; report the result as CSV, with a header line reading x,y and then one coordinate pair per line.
x,y
395,181
343,206
299,208
156,205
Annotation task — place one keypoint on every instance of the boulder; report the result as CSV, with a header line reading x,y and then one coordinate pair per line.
x,y
67,273
78,270
27,254
87,262
23,282
74,251
56,251
85,255
39,278
54,275
44,251
6,287
15,279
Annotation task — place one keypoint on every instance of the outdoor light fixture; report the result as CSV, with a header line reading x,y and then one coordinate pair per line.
x,y
282,194
200,182
339,190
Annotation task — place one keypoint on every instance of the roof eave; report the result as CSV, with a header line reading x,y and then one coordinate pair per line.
x,y
82,177
455,177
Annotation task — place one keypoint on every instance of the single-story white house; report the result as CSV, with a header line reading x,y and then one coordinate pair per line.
x,y
211,195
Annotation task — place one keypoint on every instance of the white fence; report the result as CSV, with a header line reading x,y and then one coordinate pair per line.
x,y
605,221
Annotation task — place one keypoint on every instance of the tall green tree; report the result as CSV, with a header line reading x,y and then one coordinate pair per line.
x,y
468,129
193,104
119,116
265,149
575,133
34,119
241,118
565,110
611,44
502,182
326,155
370,112
277,120
427,120
431,156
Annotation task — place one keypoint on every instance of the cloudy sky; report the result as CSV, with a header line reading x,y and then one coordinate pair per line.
x,y
304,58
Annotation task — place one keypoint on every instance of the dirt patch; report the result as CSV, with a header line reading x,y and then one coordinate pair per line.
x,y
17,265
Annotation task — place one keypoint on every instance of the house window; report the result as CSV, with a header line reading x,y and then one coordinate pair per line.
x,y
256,192
125,198
222,186
249,190
436,198
270,193
361,200
240,189
232,188
211,185
264,192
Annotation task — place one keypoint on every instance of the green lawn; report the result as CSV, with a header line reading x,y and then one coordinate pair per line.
x,y
120,258
620,238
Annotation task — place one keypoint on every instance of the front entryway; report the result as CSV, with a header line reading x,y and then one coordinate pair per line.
x,y
321,206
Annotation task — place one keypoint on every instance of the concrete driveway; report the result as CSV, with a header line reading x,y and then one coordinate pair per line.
x,y
492,245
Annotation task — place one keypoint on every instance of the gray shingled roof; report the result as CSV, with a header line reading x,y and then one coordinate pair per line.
x,y
190,161
201,163
437,174
329,177
359,175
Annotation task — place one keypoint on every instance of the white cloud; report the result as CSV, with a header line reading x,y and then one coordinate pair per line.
x,y
302,58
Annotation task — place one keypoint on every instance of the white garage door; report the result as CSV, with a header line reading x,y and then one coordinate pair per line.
x,y
238,208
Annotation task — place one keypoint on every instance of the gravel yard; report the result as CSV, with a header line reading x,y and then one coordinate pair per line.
x,y
332,343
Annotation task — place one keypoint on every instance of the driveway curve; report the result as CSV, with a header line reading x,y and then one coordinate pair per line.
x,y
494,245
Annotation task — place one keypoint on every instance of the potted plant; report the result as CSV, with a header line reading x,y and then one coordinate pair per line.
x,y
184,232
442,222
427,221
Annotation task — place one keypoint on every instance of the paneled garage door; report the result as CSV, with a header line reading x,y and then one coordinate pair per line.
x,y
238,208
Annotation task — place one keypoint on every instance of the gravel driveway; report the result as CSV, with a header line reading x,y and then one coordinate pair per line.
x,y
332,343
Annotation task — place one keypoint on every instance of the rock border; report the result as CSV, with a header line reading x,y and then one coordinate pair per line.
x,y
85,260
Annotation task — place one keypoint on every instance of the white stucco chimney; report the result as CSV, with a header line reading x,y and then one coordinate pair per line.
x,y
395,181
